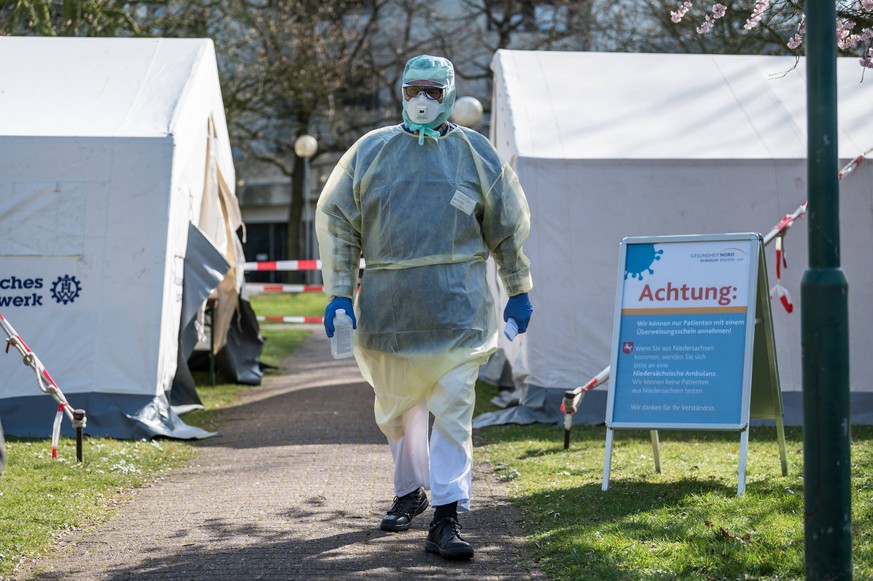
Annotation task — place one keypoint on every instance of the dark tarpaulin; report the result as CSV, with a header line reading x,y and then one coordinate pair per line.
x,y
205,268
239,359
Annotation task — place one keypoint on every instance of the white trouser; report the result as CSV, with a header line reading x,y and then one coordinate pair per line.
x,y
406,390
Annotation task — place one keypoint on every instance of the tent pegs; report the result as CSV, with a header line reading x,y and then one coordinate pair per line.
x,y
79,421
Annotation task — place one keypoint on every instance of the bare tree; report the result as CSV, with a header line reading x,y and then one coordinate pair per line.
x,y
650,28
294,67
104,17
332,68
471,34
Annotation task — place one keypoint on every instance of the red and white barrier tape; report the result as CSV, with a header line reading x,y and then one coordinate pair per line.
x,y
785,223
850,167
285,265
784,298
778,233
43,379
290,319
254,287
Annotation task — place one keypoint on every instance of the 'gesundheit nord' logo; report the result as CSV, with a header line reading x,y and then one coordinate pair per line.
x,y
66,289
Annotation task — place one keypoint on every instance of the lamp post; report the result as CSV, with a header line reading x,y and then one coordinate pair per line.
x,y
305,147
468,111
825,320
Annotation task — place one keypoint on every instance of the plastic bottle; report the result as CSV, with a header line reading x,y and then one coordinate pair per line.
x,y
341,342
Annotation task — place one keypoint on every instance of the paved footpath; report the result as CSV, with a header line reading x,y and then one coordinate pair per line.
x,y
294,487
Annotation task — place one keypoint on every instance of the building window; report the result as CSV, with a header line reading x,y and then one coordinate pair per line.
x,y
266,242
527,15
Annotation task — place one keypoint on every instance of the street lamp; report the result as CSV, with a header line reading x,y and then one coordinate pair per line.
x,y
468,111
305,147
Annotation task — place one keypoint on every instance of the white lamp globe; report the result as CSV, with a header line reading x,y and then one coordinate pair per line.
x,y
468,111
305,146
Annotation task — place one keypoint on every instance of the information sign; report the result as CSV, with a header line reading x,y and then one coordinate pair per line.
x,y
687,310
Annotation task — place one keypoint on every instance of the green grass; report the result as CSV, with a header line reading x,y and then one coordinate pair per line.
x,y
286,305
686,522
41,498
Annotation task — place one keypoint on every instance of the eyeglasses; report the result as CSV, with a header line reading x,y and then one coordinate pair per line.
x,y
431,92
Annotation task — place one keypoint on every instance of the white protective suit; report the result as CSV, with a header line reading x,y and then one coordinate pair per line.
x,y
425,218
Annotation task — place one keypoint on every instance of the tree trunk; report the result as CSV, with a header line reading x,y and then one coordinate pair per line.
x,y
295,220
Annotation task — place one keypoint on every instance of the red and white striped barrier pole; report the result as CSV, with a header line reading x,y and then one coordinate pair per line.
x,y
46,385
572,399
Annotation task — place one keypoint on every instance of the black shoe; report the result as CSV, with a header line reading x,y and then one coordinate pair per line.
x,y
444,538
403,510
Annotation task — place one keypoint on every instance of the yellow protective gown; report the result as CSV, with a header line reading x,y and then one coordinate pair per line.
x,y
425,218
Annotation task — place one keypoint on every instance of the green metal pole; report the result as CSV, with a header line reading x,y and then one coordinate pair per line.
x,y
824,319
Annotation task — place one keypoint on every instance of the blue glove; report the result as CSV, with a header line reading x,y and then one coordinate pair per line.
x,y
330,312
520,309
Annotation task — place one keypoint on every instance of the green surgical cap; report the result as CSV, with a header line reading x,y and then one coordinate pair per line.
x,y
437,70
430,68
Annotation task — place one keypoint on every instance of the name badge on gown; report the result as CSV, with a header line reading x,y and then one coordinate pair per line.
x,y
463,202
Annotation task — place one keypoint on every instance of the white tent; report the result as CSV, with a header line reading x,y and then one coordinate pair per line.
x,y
115,165
614,145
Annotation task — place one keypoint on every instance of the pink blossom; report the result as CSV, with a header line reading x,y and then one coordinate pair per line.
x,y
760,7
797,39
846,40
681,12
867,61
844,34
718,10
867,4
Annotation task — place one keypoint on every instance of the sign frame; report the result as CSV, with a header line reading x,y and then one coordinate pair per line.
x,y
759,394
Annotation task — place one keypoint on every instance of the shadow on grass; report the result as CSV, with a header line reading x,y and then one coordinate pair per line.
x,y
685,528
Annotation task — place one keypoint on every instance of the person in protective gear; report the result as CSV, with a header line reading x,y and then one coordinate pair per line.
x,y
425,203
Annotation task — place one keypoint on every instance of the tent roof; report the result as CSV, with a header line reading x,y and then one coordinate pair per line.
x,y
95,87
578,105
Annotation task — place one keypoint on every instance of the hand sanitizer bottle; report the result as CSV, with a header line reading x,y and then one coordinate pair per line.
x,y
341,342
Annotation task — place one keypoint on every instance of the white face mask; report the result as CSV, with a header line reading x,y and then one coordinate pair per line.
x,y
422,110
